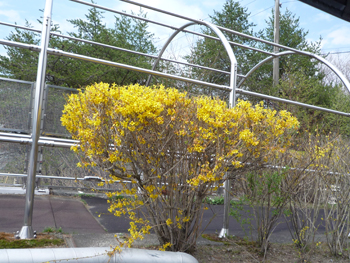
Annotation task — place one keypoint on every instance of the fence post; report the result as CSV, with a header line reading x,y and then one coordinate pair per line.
x,y
27,230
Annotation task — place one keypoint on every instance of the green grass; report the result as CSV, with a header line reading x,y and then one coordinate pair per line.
x,y
52,229
85,195
31,243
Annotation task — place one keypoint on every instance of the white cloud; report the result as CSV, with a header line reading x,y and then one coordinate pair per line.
x,y
323,17
324,43
11,15
340,36
191,9
65,26
184,8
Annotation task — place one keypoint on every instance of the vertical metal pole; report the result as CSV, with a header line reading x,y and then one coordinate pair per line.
x,y
276,61
227,200
27,230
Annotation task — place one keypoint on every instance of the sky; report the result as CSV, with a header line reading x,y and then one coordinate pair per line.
x,y
334,31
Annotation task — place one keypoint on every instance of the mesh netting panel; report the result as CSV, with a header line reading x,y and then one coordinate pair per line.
x,y
53,111
62,162
15,106
12,160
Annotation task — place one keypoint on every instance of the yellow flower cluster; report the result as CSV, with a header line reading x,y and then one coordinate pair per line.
x,y
166,142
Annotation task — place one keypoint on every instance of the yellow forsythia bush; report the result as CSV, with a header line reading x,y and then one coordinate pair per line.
x,y
173,148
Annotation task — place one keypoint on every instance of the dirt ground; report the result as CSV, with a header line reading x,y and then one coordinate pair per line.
x,y
238,250
230,250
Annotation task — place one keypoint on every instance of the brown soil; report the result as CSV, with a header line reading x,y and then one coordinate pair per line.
x,y
239,250
233,250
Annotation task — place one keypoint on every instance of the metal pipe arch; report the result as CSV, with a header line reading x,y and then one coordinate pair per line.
x,y
284,53
224,41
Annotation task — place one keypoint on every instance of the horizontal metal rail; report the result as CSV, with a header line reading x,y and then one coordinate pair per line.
x,y
120,65
46,143
42,176
246,92
133,68
16,80
170,26
57,52
120,49
305,170
96,178
85,178
199,22
42,138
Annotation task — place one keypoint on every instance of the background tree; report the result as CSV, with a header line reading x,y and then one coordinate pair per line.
x,y
211,53
127,33
301,78
300,87
291,35
20,63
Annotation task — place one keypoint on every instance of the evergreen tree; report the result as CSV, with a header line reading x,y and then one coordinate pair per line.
x,y
127,33
301,78
291,35
211,53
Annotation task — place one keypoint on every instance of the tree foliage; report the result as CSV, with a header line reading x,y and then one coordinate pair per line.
x,y
211,53
291,35
127,33
301,78
173,148
298,86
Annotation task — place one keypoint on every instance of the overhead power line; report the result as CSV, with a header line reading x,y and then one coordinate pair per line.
x,y
340,52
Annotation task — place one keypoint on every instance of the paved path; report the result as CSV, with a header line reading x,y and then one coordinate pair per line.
x,y
49,211
212,221
88,229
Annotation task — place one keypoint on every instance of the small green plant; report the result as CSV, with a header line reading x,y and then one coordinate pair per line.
x,y
48,230
85,195
237,209
52,230
218,200
266,194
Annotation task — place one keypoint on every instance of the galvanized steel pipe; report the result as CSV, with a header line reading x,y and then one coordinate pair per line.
x,y
92,255
27,231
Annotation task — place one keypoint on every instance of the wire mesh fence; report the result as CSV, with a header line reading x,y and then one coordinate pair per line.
x,y
15,105
16,102
55,98
12,161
